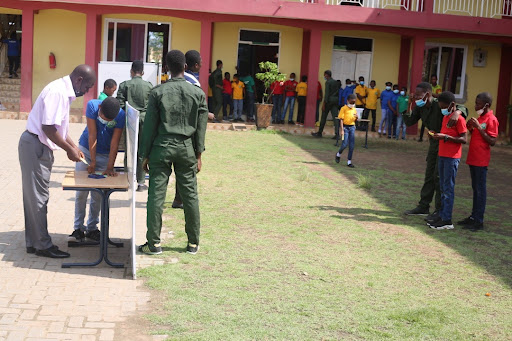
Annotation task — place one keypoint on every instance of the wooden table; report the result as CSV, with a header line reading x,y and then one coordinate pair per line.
x,y
80,181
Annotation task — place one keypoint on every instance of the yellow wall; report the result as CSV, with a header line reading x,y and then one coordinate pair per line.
x,y
63,33
479,79
185,34
4,10
385,59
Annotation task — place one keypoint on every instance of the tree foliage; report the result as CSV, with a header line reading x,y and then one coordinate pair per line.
x,y
270,74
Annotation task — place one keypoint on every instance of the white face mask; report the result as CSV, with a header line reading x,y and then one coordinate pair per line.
x,y
481,111
351,106
402,93
292,79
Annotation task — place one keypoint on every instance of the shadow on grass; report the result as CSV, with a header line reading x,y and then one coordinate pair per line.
x,y
397,168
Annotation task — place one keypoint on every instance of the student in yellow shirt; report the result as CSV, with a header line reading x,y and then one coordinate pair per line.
x,y
371,103
361,92
302,91
238,98
348,118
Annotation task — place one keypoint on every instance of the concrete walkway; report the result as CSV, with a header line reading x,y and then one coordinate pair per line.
x,y
41,301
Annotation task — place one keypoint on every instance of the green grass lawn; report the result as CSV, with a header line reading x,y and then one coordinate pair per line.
x,y
296,247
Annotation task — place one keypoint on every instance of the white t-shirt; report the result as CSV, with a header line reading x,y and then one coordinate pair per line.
x,y
52,108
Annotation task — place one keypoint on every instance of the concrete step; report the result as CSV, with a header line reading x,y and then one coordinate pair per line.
x,y
10,87
13,100
6,80
10,94
11,106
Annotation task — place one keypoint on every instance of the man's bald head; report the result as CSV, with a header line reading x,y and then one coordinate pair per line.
x,y
83,78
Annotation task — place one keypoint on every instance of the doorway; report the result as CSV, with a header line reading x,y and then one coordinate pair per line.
x,y
255,47
351,58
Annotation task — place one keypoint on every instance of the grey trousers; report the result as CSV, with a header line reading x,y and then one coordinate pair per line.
x,y
36,161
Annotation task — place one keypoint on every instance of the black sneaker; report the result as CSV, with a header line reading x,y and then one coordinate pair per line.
x,y
432,217
150,250
442,225
93,236
291,122
337,158
468,221
417,211
351,165
316,134
31,249
77,236
176,204
192,248
141,187
474,226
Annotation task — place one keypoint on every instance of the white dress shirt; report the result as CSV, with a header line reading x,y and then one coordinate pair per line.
x,y
52,108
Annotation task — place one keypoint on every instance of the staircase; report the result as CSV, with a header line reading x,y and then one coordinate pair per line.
x,y
10,91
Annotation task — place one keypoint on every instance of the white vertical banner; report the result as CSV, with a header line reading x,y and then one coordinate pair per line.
x,y
132,143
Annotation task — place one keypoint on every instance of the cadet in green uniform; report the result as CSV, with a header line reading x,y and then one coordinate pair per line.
x,y
217,90
330,105
136,92
427,109
173,135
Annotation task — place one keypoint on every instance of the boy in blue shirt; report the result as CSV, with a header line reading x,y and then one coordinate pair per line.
x,y
13,54
385,96
99,143
343,94
392,112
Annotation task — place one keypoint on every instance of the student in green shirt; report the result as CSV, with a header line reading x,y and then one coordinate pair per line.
x,y
403,104
109,87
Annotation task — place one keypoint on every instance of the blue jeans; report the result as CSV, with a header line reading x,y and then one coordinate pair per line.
x,y
349,139
383,120
400,124
249,101
391,123
238,105
277,100
447,172
81,196
479,185
289,101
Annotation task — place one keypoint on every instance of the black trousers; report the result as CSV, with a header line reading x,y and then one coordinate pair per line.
x,y
14,64
301,101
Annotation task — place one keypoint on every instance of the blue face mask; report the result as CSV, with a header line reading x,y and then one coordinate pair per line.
x,y
420,103
361,82
109,124
388,88
445,112
395,91
402,93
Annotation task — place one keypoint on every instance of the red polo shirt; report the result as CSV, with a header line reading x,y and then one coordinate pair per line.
x,y
291,85
277,88
449,148
479,153
227,87
319,91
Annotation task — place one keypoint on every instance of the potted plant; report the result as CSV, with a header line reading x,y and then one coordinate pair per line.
x,y
270,74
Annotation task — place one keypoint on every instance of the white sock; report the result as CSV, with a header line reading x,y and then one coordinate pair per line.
x,y
338,154
349,162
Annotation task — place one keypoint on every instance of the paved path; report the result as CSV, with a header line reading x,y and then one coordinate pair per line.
x,y
38,299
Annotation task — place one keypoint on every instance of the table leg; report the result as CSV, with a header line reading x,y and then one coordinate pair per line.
x,y
106,236
366,137
102,234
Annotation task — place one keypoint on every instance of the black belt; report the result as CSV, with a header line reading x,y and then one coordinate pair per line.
x,y
35,135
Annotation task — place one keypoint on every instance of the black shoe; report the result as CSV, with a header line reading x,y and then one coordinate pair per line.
x,y
16,75
442,225
373,129
141,187
31,249
420,140
473,226
192,248
351,165
77,236
316,134
432,217
336,137
291,122
176,204
150,250
468,221
93,236
337,158
417,211
52,252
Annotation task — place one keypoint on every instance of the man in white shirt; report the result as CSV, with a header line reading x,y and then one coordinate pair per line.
x,y
47,130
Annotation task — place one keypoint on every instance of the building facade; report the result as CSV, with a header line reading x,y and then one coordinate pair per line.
x,y
467,44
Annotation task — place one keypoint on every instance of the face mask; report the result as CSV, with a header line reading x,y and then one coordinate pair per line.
x,y
292,79
351,106
395,91
361,82
402,93
325,78
445,112
481,111
109,124
420,103
388,88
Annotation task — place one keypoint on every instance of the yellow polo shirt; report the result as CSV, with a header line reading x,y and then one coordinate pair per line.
x,y
373,96
436,90
363,91
348,115
238,90
302,89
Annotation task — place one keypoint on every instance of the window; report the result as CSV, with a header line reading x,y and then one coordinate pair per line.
x,y
448,63
127,41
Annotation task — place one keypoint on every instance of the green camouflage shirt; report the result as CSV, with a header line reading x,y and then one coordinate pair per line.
x,y
136,92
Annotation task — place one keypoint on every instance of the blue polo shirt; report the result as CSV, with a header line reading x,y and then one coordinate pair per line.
x,y
13,47
342,100
385,96
104,133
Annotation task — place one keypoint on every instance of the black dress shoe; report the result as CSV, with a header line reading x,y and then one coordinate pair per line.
x,y
31,249
176,204
52,252
351,166
316,134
